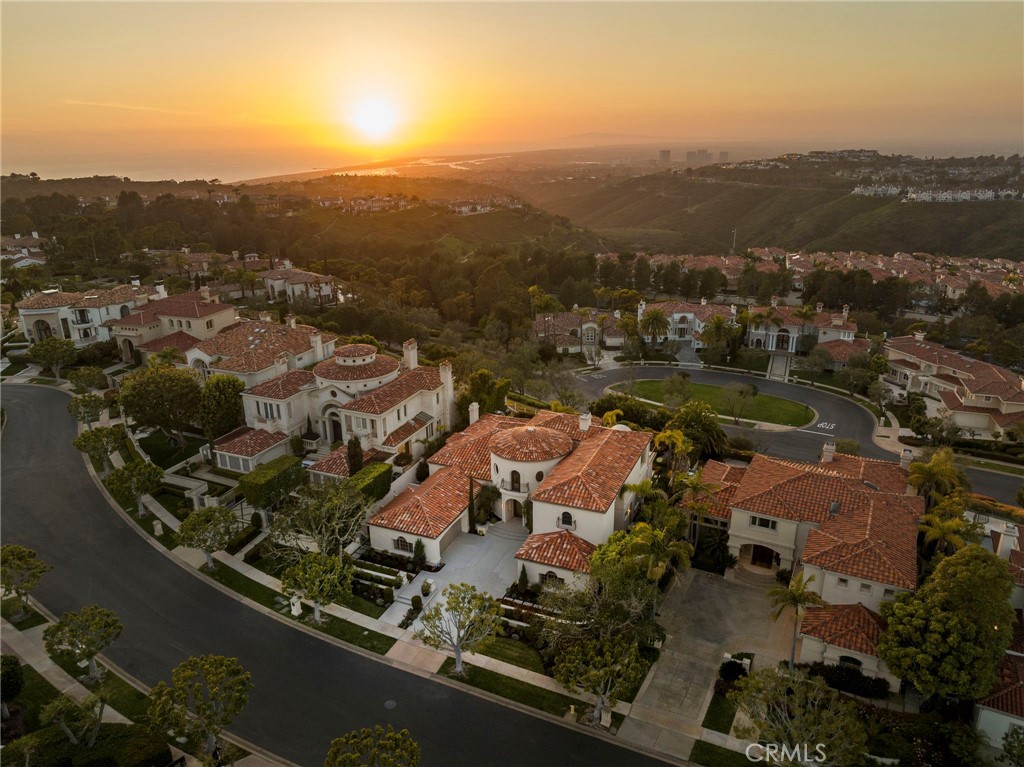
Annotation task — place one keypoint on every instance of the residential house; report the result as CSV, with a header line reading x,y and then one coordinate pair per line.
x,y
81,317
976,394
571,332
846,635
291,285
196,315
1003,708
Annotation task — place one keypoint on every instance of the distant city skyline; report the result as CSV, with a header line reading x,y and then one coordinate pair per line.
x,y
238,90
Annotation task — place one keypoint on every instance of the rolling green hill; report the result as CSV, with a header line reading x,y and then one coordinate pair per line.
x,y
677,214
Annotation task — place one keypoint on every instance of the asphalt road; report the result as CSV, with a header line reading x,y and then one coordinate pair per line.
x,y
307,691
838,417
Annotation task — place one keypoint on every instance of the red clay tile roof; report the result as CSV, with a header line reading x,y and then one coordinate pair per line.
x,y
977,377
1008,694
593,474
852,627
333,370
179,340
45,300
354,351
558,549
390,395
841,351
334,463
874,541
530,444
470,449
118,295
563,422
283,386
252,346
431,508
247,442
295,276
406,430
886,475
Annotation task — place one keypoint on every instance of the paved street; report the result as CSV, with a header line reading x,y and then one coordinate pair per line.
x,y
307,691
837,417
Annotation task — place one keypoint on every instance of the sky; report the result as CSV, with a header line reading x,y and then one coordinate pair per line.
x,y
236,90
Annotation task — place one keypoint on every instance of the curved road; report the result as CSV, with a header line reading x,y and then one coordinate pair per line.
x,y
837,417
307,691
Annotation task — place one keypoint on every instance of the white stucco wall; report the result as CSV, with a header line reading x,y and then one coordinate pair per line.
x,y
994,723
782,540
534,571
871,594
813,650
592,526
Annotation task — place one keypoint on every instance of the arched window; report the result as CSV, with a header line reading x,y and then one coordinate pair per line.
x,y
550,576
847,660
540,475
125,311
514,480
565,520
401,544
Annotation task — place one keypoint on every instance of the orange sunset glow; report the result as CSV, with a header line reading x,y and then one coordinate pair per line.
x,y
137,85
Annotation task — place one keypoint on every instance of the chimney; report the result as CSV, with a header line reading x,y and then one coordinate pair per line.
x,y
617,314
286,264
775,300
828,452
410,354
474,412
205,293
905,458
134,279
846,311
17,236
35,235
732,309
833,508
265,317
186,250
584,421
160,289
289,320
640,310
703,302
919,335
316,340
447,395
234,254
820,307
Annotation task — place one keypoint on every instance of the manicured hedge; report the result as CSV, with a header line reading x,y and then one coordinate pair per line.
x,y
525,399
373,480
850,679
268,484
117,745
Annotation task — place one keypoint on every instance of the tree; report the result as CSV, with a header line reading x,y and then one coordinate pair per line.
x,y
652,551
100,442
134,480
718,332
53,353
220,406
164,398
937,478
654,323
737,399
487,391
374,748
328,514
794,710
21,569
75,719
795,596
12,682
805,314
604,668
677,389
699,422
816,362
944,536
84,635
205,695
462,619
949,637
87,378
1013,746
86,408
208,529
320,578
354,449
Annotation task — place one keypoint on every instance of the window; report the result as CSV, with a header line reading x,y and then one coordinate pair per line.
x,y
842,582
889,594
565,520
763,522
437,399
209,324
865,588
495,468
179,323
848,660
360,422
188,324
401,544
540,475
550,576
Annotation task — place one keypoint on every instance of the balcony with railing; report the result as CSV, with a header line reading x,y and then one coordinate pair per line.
x,y
515,487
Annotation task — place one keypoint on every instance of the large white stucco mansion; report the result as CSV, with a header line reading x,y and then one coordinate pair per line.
x,y
573,472
84,318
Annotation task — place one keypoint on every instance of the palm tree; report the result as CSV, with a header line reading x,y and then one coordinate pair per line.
x,y
772,318
805,313
717,331
796,596
657,551
944,535
693,496
699,422
610,418
755,320
937,478
679,448
655,323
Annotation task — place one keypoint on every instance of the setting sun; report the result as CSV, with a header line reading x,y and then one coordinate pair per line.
x,y
374,118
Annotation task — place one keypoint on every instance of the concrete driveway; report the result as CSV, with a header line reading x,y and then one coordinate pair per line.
x,y
487,562
704,616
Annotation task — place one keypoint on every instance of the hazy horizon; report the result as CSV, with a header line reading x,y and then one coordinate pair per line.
x,y
236,91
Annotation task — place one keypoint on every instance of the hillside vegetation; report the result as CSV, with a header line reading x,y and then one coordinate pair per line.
x,y
678,214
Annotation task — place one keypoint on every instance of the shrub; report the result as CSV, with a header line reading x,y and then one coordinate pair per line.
x,y
850,679
742,444
402,459
269,484
388,593
731,670
417,602
422,471
425,589
373,480
784,575
419,554
117,745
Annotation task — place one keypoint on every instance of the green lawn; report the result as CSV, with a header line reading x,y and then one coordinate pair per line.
x,y
763,408
45,381
513,689
517,653
13,369
336,627
31,618
165,453
720,714
990,465
36,693
710,755
120,695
